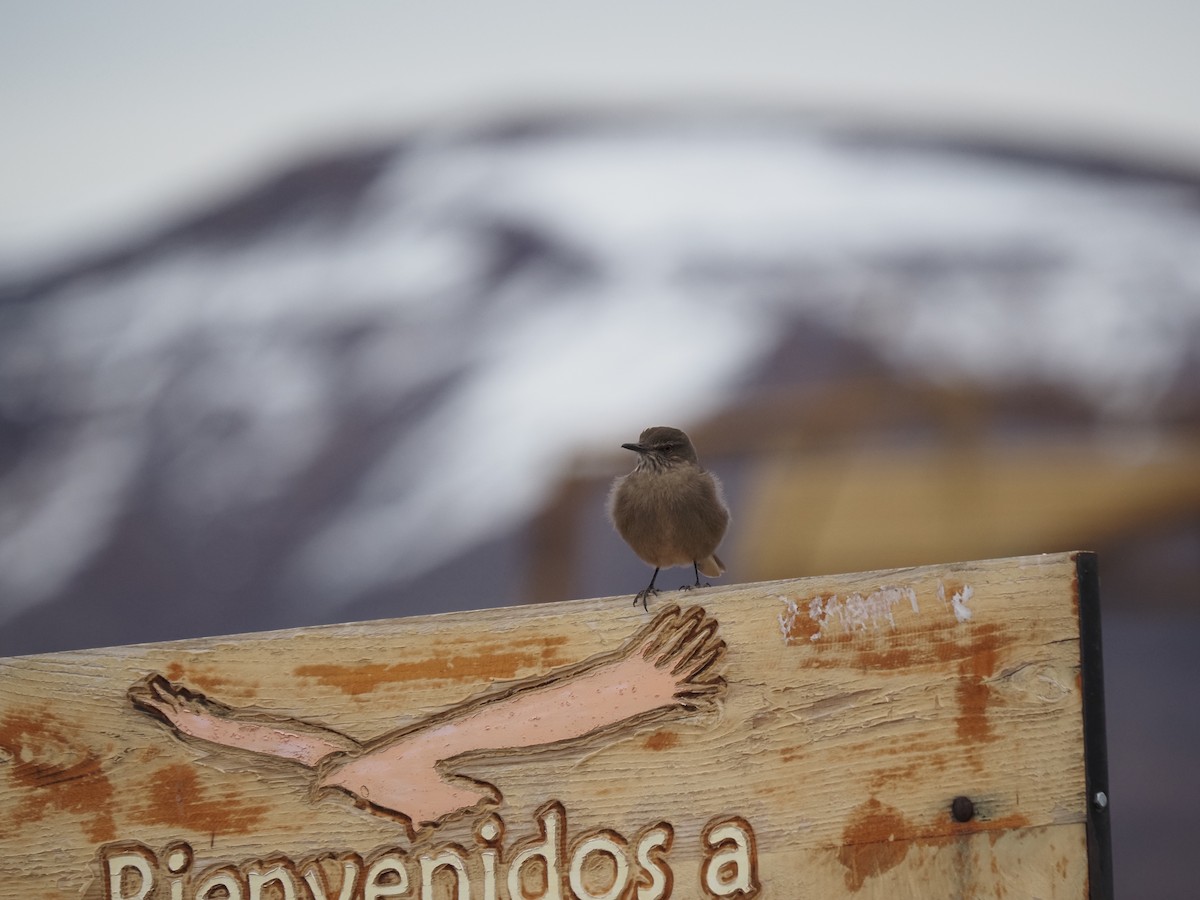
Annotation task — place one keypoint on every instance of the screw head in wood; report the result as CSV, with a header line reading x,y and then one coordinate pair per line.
x,y
962,809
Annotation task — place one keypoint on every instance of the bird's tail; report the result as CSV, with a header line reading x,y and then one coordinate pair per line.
x,y
711,566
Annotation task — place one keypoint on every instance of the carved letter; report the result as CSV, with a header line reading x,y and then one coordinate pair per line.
x,y
549,848
453,858
381,868
279,873
730,870
226,877
652,846
179,860
125,858
610,844
318,885
490,834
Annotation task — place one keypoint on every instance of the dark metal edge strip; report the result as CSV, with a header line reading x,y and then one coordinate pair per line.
x,y
1095,742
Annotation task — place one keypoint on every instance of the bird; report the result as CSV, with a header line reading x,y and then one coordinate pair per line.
x,y
669,510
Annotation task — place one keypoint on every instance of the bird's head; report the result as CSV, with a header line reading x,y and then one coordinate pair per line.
x,y
663,446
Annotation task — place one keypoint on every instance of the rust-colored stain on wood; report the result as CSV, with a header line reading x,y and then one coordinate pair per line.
x,y
973,696
874,841
935,761
908,641
895,628
911,644
489,661
973,693
803,629
979,654
62,773
208,680
661,740
878,838
175,797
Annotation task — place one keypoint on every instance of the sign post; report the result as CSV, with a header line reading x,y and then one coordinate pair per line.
x,y
932,732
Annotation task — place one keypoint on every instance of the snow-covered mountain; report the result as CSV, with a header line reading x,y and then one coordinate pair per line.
x,y
356,379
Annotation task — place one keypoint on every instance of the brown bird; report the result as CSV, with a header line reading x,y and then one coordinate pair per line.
x,y
669,509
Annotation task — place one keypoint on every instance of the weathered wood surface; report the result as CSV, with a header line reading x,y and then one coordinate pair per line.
x,y
822,727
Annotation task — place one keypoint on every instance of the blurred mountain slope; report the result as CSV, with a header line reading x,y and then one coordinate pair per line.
x,y
365,387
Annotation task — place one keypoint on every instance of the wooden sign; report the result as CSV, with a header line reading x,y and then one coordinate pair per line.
x,y
933,732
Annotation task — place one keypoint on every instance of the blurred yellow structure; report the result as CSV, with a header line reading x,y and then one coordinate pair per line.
x,y
871,474
879,507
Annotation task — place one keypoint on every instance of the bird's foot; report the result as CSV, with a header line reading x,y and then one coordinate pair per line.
x,y
644,596
692,587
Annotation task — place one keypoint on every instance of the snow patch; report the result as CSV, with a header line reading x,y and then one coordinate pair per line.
x,y
237,361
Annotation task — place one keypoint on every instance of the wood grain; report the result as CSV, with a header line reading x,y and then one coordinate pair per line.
x,y
854,710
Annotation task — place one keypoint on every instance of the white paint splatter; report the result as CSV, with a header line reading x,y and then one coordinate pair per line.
x,y
787,618
958,601
853,613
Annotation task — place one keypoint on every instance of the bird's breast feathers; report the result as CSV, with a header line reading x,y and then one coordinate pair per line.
x,y
671,517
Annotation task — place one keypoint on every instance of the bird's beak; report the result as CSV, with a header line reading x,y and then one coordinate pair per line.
x,y
636,448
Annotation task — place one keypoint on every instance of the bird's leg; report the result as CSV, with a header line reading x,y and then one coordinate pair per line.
x,y
692,587
650,589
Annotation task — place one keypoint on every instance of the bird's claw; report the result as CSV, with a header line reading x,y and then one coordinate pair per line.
x,y
643,596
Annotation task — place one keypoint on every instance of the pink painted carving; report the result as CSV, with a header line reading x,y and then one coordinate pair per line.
x,y
668,667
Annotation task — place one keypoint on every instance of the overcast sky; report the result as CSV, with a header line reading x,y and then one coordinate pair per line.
x,y
124,109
